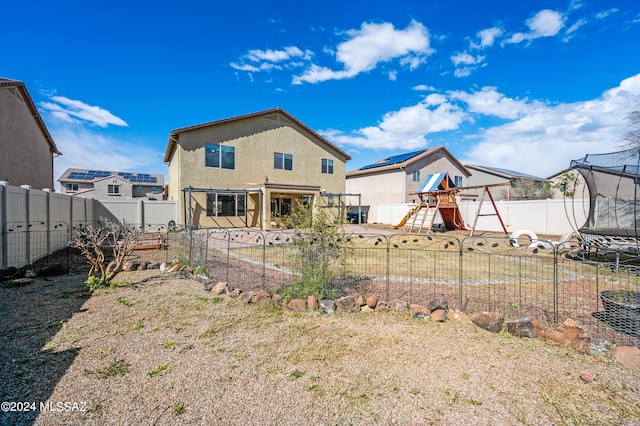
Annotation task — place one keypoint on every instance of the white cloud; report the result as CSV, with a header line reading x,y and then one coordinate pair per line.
x,y
546,23
487,37
544,139
570,33
465,63
424,88
371,45
406,128
606,13
70,110
267,60
488,101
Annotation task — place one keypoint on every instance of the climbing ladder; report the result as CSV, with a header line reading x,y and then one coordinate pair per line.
x,y
424,218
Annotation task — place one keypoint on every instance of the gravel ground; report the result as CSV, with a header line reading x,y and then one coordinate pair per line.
x,y
160,350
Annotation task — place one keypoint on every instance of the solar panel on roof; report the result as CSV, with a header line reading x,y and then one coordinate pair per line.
x,y
395,159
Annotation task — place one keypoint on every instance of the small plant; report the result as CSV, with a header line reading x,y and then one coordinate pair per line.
x,y
159,370
137,326
178,409
169,345
65,295
296,374
124,301
118,367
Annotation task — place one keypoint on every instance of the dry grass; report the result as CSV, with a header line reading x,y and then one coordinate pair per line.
x,y
163,351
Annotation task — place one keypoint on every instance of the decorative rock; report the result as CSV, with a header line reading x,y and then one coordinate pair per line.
x,y
360,300
537,326
366,308
570,328
438,315
219,288
130,266
347,303
208,285
327,306
30,273
587,377
627,356
582,343
521,328
399,306
174,268
457,316
298,305
312,303
22,281
142,266
372,301
437,304
491,321
154,265
236,292
261,297
8,273
276,299
246,297
556,336
163,266
419,311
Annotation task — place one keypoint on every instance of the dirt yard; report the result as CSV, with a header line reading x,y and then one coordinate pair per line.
x,y
157,349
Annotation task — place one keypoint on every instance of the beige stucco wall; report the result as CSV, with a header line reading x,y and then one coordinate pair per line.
x,y
255,140
25,155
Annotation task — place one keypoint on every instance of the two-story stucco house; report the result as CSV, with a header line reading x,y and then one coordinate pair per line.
x,y
396,179
26,145
248,170
104,185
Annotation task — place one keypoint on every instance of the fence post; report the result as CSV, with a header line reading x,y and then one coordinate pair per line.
x,y
460,277
555,284
3,224
27,232
48,212
388,266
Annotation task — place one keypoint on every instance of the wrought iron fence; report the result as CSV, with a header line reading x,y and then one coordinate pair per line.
x,y
541,280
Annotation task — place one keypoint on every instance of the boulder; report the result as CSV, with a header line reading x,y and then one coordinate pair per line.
x,y
142,266
456,315
261,297
208,285
360,301
130,266
347,303
53,270
372,301
582,343
437,304
276,299
419,311
298,305
627,356
219,288
399,306
556,336
153,265
570,328
327,306
439,315
30,273
8,273
246,297
366,308
382,306
236,292
521,328
174,268
312,303
599,345
491,321
537,326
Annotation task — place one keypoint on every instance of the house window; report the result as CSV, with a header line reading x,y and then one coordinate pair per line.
x,y
226,204
220,156
71,187
282,161
139,188
416,176
457,181
113,189
327,166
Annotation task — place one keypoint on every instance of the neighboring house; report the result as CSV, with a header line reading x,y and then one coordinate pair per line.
x,y
568,183
396,179
26,145
102,185
250,169
520,186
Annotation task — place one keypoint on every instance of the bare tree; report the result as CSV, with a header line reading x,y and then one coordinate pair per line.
x,y
92,241
632,139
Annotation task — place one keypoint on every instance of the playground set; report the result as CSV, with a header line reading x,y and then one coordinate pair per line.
x,y
438,197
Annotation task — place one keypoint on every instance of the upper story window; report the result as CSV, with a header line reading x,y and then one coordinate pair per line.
x,y
113,189
327,166
457,181
72,187
282,161
416,176
220,156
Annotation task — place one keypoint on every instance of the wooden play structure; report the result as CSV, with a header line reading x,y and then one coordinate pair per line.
x,y
438,196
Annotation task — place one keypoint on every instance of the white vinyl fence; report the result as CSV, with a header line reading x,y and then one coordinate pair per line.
x,y
35,223
545,217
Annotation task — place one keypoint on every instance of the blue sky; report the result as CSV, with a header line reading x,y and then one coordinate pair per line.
x,y
520,85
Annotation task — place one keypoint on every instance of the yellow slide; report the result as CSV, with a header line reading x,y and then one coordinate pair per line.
x,y
406,217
